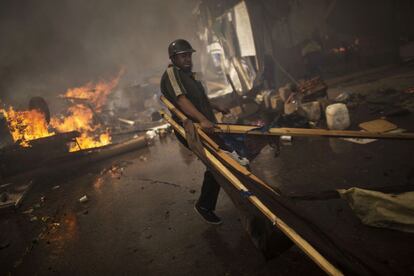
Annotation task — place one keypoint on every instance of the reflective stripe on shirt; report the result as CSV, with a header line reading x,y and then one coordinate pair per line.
x,y
174,83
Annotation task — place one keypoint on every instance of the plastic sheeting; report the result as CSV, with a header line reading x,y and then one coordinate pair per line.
x,y
382,210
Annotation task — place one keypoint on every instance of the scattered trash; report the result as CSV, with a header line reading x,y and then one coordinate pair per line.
x,y
28,211
235,156
116,171
291,105
236,111
337,116
343,97
285,92
125,121
311,110
361,141
276,103
382,210
294,120
15,194
162,133
83,199
219,117
266,98
229,118
364,141
313,124
56,187
5,185
150,135
34,218
166,127
286,140
379,125
143,158
312,89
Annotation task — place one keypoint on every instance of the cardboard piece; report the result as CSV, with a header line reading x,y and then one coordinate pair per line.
x,y
379,125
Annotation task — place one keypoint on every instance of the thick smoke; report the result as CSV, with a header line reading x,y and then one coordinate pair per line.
x,y
49,46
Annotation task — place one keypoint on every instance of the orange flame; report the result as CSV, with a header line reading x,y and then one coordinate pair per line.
x,y
96,94
26,125
87,141
81,118
29,125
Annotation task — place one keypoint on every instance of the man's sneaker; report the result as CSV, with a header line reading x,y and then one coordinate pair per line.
x,y
207,215
235,156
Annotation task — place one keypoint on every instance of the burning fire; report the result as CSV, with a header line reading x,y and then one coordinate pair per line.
x,y
95,94
81,116
26,125
86,141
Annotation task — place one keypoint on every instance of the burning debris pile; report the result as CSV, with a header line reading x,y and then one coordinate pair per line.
x,y
82,115
26,125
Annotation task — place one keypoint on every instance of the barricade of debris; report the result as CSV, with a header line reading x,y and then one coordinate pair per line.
x,y
91,126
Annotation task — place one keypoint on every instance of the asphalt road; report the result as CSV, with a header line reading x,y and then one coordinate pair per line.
x,y
138,220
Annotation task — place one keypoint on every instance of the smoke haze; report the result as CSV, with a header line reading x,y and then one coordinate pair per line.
x,y
49,46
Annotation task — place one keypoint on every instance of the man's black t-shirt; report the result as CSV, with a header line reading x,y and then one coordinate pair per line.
x,y
176,82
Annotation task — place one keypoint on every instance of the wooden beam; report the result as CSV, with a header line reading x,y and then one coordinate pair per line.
x,y
216,147
243,129
173,109
234,163
305,246
208,142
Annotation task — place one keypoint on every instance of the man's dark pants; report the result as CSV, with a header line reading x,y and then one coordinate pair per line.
x,y
209,190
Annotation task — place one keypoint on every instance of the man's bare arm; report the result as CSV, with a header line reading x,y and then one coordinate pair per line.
x,y
189,109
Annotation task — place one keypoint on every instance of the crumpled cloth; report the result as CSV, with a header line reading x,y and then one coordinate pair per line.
x,y
393,211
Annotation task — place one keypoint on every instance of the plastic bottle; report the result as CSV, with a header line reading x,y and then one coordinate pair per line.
x,y
337,116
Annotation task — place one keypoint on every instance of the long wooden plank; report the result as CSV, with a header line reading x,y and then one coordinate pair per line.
x,y
234,163
305,246
209,142
243,129
172,108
